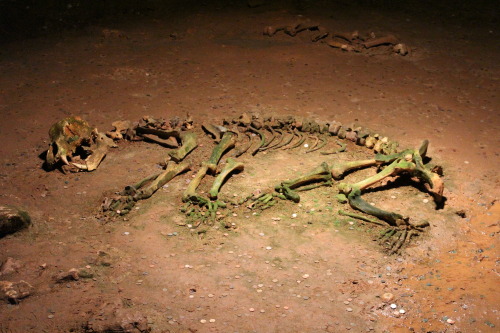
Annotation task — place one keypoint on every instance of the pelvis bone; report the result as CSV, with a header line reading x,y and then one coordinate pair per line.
x,y
75,146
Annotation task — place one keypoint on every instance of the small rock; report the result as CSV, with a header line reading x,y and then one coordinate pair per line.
x,y
450,321
14,291
387,297
348,309
393,306
9,266
12,219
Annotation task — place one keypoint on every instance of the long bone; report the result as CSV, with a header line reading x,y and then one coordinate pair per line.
x,y
230,167
227,142
143,189
320,174
339,169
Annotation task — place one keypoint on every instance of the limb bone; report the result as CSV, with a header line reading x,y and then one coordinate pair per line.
x,y
230,167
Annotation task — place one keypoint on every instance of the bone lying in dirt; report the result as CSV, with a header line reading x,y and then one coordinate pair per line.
x,y
320,176
227,142
342,148
144,189
189,143
339,169
70,136
214,131
230,167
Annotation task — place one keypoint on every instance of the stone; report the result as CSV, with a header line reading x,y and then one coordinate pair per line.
x,y
12,219
14,291
9,266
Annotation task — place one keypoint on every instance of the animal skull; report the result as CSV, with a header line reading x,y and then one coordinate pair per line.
x,y
76,145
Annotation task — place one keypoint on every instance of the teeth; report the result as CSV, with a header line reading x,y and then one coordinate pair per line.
x,y
64,158
80,166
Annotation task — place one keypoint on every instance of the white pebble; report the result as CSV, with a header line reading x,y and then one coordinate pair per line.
x,y
126,233
450,321
269,248
393,306
402,311
203,321
294,215
466,162
306,145
212,320
305,276
425,200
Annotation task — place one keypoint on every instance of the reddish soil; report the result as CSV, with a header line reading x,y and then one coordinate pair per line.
x,y
321,274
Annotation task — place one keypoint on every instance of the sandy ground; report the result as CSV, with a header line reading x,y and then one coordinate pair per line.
x,y
215,63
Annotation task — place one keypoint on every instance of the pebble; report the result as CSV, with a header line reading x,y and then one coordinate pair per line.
x,y
393,306
251,309
425,200
348,309
450,321
126,233
269,248
294,215
50,316
212,320
203,321
402,311
387,297
306,145
261,234
286,307
305,276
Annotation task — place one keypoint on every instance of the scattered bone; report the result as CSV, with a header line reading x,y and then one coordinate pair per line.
x,y
387,40
346,41
71,275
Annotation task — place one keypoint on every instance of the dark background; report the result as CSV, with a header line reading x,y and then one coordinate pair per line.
x,y
31,18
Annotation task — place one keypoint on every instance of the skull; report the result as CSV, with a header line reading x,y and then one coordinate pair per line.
x,y
76,145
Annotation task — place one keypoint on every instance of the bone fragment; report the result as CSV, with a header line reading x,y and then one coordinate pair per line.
x,y
387,40
189,143
169,143
342,148
339,45
213,130
230,167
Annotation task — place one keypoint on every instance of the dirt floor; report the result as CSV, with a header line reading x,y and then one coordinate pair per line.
x,y
273,271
